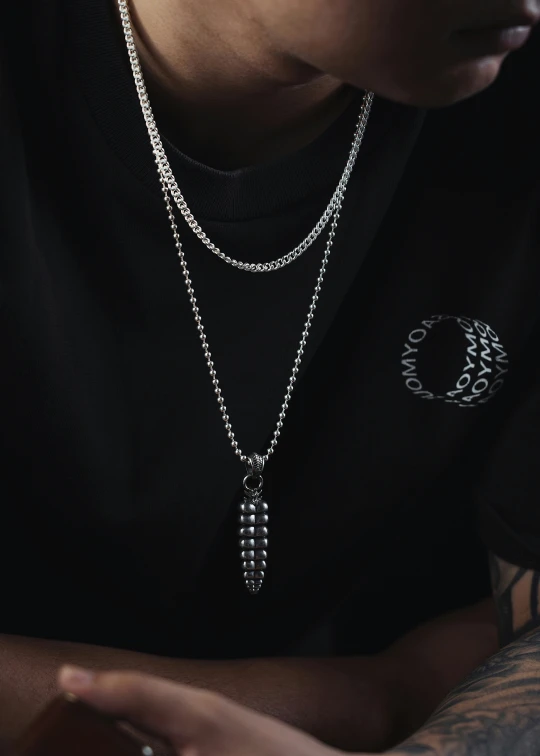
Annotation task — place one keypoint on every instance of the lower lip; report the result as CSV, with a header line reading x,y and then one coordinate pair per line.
x,y
493,41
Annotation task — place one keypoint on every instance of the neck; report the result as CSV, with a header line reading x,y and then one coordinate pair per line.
x,y
219,89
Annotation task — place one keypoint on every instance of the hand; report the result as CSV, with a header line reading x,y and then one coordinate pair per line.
x,y
189,720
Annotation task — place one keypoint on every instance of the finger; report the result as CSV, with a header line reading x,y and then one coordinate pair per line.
x,y
174,712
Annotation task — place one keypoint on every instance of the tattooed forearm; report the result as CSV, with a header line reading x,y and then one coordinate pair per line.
x,y
516,593
496,712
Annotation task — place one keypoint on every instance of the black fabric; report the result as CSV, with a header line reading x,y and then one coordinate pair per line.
x,y
118,486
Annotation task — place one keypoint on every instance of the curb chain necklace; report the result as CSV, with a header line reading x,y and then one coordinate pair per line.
x,y
253,517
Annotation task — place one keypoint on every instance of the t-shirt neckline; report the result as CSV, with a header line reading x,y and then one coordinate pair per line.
x,y
102,67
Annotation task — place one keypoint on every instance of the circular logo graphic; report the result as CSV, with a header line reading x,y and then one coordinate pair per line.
x,y
481,372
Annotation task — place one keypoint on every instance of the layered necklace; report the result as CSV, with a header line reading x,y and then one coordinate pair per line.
x,y
253,510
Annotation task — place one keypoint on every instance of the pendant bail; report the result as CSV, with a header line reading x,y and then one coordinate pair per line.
x,y
255,465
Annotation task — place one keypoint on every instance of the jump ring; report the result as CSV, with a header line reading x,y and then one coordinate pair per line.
x,y
253,489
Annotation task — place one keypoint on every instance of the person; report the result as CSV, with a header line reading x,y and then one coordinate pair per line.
x,y
269,328
473,721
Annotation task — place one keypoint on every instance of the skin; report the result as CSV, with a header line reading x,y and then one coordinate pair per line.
x,y
395,690
409,52
241,81
495,712
258,78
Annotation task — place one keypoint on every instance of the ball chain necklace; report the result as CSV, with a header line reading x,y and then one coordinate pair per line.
x,y
253,518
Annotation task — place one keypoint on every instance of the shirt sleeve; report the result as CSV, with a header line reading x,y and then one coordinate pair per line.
x,y
509,497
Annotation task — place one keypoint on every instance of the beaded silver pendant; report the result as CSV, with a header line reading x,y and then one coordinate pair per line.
x,y
253,530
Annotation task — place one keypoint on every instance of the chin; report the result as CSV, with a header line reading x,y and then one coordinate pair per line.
x,y
449,87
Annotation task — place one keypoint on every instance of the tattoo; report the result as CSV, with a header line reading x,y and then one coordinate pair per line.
x,y
495,712
517,595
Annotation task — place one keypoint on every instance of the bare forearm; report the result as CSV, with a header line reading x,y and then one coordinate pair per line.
x,y
432,660
363,703
311,694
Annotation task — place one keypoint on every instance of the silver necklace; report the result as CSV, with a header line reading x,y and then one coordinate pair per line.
x,y
166,170
253,520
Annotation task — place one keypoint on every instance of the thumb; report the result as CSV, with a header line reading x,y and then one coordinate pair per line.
x,y
173,712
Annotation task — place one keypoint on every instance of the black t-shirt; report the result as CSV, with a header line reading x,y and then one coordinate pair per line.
x,y
416,409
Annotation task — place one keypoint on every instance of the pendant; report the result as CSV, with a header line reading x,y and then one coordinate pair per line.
x,y
253,530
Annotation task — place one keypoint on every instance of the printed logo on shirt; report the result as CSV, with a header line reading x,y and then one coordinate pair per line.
x,y
464,354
